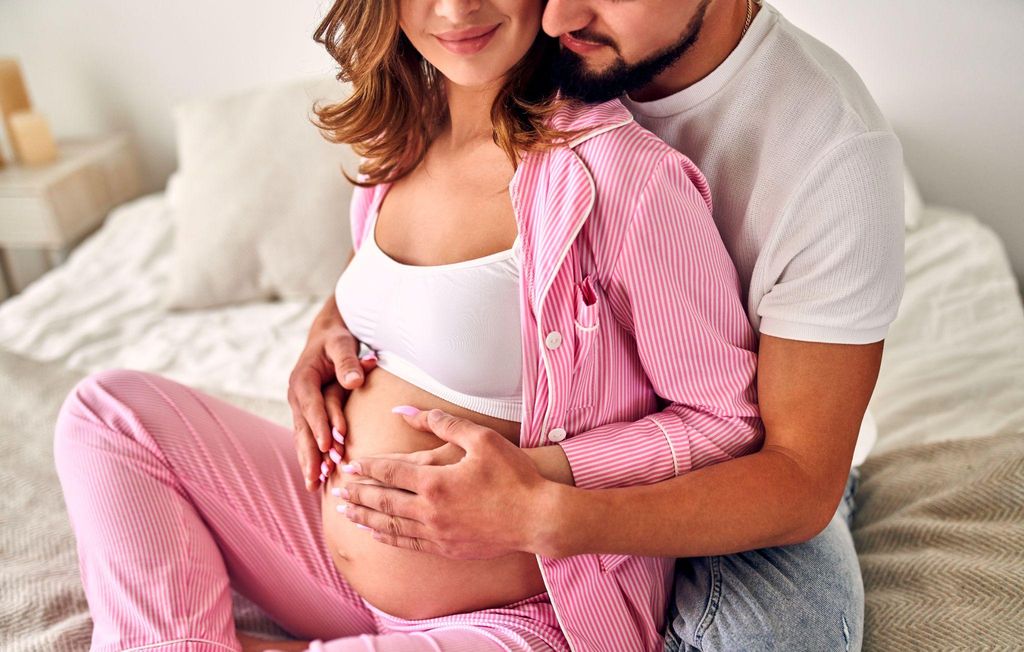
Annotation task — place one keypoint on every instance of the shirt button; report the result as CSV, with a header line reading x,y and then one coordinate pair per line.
x,y
553,340
556,435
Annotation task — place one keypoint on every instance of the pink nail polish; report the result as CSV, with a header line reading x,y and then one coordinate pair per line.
x,y
335,491
337,435
344,493
361,526
341,507
324,469
335,455
407,410
352,468
323,478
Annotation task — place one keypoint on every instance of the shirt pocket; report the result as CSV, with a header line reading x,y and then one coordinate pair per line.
x,y
586,331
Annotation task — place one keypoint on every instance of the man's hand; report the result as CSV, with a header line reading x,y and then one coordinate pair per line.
x,y
252,643
326,371
484,505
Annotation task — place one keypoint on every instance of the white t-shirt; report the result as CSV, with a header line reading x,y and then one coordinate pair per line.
x,y
806,177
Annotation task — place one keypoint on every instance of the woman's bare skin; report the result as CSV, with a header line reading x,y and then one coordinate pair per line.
x,y
453,206
406,583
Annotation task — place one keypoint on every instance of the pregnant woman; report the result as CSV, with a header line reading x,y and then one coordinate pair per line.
x,y
548,270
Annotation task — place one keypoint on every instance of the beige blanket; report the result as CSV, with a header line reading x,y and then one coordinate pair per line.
x,y
42,604
940,529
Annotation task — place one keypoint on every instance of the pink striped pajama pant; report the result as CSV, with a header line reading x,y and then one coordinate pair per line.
x,y
176,496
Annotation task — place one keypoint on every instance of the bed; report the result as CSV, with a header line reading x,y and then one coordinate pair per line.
x,y
940,525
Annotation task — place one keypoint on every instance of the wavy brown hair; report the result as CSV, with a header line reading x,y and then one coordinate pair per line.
x,y
398,103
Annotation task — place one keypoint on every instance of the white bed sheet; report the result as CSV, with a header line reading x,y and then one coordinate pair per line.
x,y
103,308
953,365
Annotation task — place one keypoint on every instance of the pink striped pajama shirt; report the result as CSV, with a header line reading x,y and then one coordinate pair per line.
x,y
638,360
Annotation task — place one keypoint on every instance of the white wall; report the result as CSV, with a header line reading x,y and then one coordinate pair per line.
x,y
948,73
93,66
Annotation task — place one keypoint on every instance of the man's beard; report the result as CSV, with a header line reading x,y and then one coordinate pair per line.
x,y
576,82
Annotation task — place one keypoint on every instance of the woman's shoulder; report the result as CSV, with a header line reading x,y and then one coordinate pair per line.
x,y
361,203
620,153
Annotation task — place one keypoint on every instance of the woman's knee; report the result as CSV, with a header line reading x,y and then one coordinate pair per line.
x,y
102,403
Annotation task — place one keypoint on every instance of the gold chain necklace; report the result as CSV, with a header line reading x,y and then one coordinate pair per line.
x,y
750,17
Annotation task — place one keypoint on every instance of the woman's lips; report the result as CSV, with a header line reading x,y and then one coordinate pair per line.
x,y
578,46
467,41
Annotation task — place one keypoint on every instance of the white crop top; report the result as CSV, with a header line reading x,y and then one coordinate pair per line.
x,y
453,330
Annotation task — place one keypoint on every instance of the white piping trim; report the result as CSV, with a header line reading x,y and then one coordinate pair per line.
x,y
543,347
675,461
544,293
597,132
178,640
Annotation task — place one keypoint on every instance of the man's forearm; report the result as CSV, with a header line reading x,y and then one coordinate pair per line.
x,y
329,313
760,500
812,397
327,319
551,463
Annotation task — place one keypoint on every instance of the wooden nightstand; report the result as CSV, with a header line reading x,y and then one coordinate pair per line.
x,y
52,207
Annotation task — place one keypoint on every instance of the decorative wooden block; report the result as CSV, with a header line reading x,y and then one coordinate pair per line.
x,y
32,139
13,96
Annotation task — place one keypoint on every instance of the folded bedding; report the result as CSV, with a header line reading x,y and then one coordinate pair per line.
x,y
939,530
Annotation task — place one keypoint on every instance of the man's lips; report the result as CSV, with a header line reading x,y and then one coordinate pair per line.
x,y
467,41
578,46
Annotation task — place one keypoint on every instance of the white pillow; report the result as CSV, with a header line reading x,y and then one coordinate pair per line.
x,y
259,204
912,202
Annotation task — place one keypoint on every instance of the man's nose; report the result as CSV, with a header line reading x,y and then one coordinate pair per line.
x,y
563,16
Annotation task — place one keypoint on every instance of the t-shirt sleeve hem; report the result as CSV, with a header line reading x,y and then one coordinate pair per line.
x,y
816,333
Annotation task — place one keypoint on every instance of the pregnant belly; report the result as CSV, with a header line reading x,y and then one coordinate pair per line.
x,y
407,583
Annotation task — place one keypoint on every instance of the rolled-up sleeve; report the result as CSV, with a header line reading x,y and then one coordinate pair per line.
x,y
694,340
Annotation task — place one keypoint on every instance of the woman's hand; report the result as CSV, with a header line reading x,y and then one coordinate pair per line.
x,y
326,371
489,502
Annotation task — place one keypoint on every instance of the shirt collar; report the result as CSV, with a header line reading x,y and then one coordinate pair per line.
x,y
591,119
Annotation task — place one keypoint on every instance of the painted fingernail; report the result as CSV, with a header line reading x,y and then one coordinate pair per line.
x,y
335,455
361,526
335,491
337,435
323,478
341,507
344,493
407,410
351,376
324,468
354,467
372,355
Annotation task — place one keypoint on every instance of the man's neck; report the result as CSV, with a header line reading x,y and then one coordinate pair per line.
x,y
720,35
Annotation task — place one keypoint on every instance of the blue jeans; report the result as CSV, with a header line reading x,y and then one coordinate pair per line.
x,y
808,596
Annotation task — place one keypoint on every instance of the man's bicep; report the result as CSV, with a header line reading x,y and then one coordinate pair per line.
x,y
813,396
